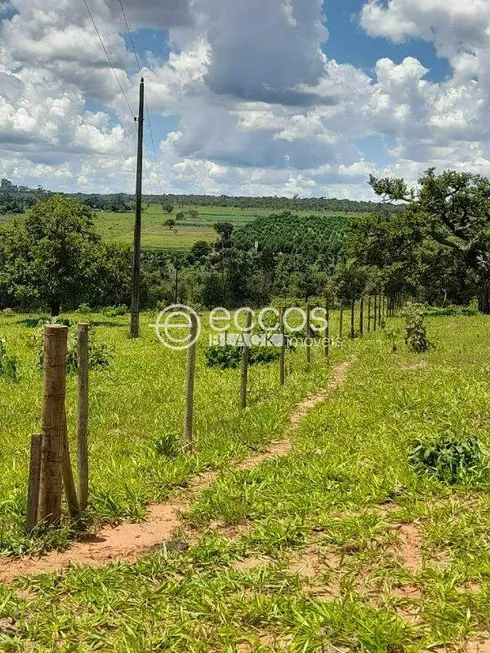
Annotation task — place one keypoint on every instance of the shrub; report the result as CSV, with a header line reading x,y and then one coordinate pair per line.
x,y
415,330
99,354
115,311
8,363
448,457
83,309
230,356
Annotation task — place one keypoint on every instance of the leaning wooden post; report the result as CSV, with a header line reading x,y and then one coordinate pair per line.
x,y
361,317
369,315
68,479
308,334
375,318
327,330
34,479
53,422
247,335
282,357
191,374
82,430
341,320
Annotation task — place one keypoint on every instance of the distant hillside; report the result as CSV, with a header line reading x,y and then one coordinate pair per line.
x,y
312,236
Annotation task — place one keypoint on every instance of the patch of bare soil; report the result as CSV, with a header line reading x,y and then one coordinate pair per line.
x,y
128,541
409,547
481,645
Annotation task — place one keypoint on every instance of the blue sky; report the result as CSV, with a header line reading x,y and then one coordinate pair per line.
x,y
264,97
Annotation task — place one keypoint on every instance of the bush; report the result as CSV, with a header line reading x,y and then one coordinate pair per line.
x,y
8,363
115,311
230,356
83,309
415,330
99,354
448,457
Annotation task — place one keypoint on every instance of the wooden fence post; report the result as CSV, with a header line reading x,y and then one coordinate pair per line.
x,y
68,480
327,330
341,320
191,373
53,422
361,317
352,319
369,314
82,430
282,358
308,335
380,309
245,360
375,318
34,480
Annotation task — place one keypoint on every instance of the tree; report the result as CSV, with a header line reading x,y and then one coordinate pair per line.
x,y
169,223
224,231
61,244
448,212
200,250
167,207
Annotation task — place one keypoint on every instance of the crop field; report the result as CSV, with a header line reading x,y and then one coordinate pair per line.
x,y
340,544
118,227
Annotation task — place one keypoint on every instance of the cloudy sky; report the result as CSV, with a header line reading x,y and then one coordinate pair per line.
x,y
250,97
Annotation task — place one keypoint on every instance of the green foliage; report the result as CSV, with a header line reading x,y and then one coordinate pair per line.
x,y
99,353
230,356
415,330
8,363
115,311
168,445
449,457
309,236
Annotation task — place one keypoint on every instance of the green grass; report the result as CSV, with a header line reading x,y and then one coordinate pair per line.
x,y
133,404
118,227
346,492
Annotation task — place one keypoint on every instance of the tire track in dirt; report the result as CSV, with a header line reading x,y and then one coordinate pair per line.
x,y
127,541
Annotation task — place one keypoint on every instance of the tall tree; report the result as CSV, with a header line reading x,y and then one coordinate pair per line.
x,y
62,244
448,212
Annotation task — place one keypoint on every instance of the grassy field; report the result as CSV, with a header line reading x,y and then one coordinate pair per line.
x,y
338,546
118,227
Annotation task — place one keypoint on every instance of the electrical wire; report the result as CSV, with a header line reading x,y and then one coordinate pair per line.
x,y
108,57
138,65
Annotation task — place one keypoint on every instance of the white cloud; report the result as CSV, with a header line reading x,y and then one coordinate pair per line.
x,y
261,109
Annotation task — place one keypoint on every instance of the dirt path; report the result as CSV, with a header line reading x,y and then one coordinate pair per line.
x,y
128,541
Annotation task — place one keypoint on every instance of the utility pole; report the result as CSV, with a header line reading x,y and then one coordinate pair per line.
x,y
135,295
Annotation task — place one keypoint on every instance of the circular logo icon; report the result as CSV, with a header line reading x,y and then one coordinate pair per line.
x,y
178,327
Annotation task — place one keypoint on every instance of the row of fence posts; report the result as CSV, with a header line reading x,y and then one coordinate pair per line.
x,y
378,307
50,468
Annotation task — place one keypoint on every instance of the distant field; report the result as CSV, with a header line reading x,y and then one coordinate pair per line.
x,y
118,227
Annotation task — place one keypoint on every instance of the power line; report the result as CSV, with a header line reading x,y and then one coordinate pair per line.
x,y
154,149
108,57
138,65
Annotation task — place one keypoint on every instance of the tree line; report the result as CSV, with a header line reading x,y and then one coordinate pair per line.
x,y
435,248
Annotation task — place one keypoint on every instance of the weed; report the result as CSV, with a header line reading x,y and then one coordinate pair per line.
x,y
415,330
8,363
448,457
